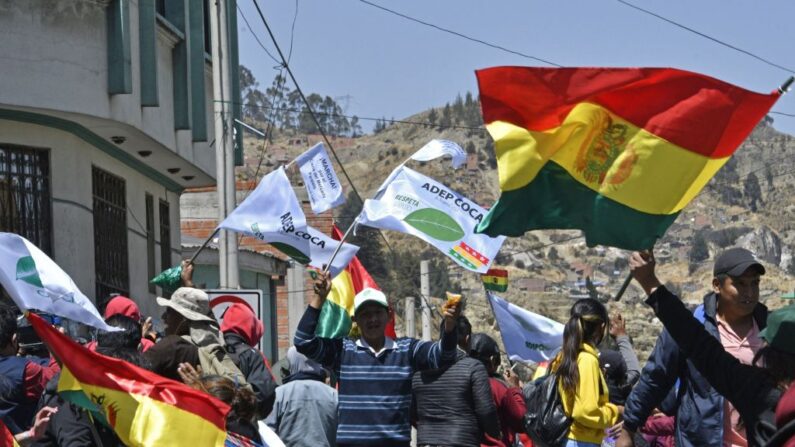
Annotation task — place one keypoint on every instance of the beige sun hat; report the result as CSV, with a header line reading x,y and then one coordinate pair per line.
x,y
193,304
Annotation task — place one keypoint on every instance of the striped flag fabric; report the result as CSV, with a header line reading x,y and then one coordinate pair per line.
x,y
143,408
495,280
6,437
335,319
614,152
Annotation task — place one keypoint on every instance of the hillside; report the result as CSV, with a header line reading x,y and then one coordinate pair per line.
x,y
749,203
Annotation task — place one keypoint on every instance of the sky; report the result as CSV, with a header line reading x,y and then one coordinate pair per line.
x,y
376,64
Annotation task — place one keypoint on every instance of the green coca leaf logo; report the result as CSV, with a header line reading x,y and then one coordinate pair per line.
x,y
292,252
435,224
26,271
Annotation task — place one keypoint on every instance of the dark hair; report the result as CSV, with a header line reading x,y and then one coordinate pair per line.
x,y
128,337
585,322
8,325
779,365
464,327
242,400
722,277
129,355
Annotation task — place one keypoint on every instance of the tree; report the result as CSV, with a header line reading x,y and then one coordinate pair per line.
x,y
470,147
699,251
446,120
753,192
356,128
432,117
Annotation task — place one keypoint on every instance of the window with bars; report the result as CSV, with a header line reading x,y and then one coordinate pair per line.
x,y
111,262
165,235
150,241
25,200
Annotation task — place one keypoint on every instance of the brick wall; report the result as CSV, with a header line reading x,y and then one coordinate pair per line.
x,y
202,228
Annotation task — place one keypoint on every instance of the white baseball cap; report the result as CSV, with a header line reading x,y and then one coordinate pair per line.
x,y
369,295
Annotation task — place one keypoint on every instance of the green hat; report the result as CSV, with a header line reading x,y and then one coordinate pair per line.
x,y
780,330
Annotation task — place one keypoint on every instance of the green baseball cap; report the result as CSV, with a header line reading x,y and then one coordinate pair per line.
x,y
780,330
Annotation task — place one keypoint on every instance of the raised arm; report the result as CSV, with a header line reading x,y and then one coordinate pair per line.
x,y
741,384
322,350
619,331
435,355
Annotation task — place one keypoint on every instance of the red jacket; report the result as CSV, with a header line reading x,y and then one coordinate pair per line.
x,y
510,410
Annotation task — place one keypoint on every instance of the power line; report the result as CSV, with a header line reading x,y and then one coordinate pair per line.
x,y
706,36
316,120
292,33
458,34
365,118
243,16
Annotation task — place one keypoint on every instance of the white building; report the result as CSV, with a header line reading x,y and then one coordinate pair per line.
x,y
105,117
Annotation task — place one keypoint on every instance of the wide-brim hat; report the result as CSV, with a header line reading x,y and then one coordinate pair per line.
x,y
193,304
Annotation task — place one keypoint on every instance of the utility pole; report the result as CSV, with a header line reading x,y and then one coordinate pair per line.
x,y
411,330
224,143
425,290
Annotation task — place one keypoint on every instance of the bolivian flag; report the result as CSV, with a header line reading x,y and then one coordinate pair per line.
x,y
495,280
6,437
615,152
335,319
144,409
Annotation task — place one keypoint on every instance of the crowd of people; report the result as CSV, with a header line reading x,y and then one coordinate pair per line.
x,y
718,376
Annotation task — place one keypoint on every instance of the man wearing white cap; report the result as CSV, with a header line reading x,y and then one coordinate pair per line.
x,y
374,371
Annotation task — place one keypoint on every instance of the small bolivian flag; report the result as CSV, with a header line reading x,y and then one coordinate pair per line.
x,y
6,437
495,280
142,408
614,152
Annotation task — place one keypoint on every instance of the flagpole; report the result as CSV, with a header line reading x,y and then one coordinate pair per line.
x,y
339,247
623,287
203,246
786,85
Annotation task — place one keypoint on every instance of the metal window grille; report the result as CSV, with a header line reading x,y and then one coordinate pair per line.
x,y
111,262
150,240
25,199
165,235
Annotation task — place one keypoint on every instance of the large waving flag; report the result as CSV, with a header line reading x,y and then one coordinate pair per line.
x,y
527,336
273,214
615,152
144,409
335,316
34,281
418,205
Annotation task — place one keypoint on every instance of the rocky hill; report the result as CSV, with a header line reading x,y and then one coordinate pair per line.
x,y
750,203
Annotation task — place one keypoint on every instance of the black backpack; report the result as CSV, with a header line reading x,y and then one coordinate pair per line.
x,y
545,421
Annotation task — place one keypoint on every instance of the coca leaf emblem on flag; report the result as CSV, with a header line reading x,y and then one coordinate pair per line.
x,y
435,224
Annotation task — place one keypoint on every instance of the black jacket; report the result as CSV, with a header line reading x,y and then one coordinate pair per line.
x,y
699,413
252,365
454,406
749,388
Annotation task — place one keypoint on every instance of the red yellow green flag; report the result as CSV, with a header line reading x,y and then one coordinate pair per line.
x,y
615,152
144,409
495,280
335,319
6,437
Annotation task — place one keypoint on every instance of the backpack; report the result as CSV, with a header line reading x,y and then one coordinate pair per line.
x,y
545,421
214,360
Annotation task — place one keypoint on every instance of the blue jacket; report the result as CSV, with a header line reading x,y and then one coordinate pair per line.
x,y
699,416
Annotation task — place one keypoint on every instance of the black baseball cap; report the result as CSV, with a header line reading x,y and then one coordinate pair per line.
x,y
614,365
735,261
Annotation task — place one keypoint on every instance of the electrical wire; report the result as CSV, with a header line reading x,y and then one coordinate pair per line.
x,y
458,34
707,36
243,16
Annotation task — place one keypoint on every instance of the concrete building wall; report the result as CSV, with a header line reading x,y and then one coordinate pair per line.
x,y
71,161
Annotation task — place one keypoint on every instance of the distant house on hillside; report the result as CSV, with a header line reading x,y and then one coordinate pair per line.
x,y
532,284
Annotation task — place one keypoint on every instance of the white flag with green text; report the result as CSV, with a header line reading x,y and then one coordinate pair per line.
x,y
34,281
412,203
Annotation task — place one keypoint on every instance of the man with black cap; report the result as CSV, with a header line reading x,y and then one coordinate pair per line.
x,y
732,314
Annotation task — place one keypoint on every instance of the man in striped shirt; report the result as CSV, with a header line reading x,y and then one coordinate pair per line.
x,y
374,371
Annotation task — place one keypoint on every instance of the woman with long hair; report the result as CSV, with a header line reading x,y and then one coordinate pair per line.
x,y
581,385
